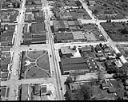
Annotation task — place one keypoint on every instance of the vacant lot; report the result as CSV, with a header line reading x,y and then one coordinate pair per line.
x,y
92,33
116,30
35,64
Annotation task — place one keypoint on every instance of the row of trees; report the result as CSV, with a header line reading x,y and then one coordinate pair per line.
x,y
122,73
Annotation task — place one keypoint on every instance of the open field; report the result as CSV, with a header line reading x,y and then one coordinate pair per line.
x,y
35,72
35,64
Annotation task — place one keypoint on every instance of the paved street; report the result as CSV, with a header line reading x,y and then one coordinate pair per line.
x,y
28,81
123,43
52,48
97,22
59,45
16,57
55,64
83,21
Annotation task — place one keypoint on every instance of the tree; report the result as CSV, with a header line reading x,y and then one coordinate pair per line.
x,y
125,68
67,95
74,48
111,70
78,3
49,93
124,31
95,11
101,75
122,73
108,20
100,45
118,55
68,80
88,3
105,5
84,93
122,0
78,96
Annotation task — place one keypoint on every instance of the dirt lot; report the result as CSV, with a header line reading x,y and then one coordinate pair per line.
x,y
92,33
35,64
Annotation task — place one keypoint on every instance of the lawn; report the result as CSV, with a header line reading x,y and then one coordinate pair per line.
x,y
35,64
35,72
35,54
45,64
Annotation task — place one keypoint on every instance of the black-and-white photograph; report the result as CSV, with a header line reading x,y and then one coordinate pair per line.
x,y
63,50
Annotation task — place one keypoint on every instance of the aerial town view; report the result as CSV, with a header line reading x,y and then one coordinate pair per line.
x,y
63,50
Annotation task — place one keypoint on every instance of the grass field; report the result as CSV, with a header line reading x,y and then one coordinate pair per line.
x,y
45,64
35,64
35,72
35,54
